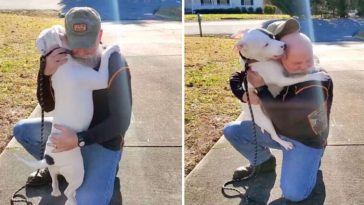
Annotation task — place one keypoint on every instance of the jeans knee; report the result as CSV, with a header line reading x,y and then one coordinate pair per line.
x,y
228,131
18,129
295,194
89,197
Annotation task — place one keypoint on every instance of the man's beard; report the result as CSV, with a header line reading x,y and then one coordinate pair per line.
x,y
90,61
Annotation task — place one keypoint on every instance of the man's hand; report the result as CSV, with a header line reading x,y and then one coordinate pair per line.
x,y
54,60
65,140
254,99
255,79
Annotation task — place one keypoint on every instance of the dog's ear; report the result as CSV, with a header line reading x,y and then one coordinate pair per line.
x,y
41,46
239,46
239,34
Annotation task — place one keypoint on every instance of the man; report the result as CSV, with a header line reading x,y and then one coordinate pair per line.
x,y
101,145
300,115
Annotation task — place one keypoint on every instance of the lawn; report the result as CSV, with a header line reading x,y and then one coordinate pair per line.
x,y
209,103
19,61
217,17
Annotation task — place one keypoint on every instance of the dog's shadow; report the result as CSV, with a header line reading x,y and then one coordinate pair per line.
x,y
257,190
46,198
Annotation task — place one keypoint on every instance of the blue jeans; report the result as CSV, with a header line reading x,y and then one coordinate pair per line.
x,y
100,163
299,167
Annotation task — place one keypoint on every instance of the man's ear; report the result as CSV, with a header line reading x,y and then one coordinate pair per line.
x,y
239,34
100,35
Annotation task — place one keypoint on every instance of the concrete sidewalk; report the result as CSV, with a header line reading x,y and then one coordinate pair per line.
x,y
341,179
150,169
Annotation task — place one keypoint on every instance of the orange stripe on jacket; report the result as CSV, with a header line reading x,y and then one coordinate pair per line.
x,y
116,74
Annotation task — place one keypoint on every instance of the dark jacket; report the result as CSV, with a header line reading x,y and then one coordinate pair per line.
x,y
112,106
300,112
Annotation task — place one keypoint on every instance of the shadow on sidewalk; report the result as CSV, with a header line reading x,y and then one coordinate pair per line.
x,y
258,190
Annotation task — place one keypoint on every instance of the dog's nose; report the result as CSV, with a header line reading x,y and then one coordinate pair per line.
x,y
284,46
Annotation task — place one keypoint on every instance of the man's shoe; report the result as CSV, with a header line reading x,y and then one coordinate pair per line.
x,y
249,171
39,179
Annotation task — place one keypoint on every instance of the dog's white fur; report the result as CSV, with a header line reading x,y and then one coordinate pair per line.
x,y
73,84
259,46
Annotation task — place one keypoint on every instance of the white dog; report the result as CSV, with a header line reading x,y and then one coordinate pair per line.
x,y
256,44
73,84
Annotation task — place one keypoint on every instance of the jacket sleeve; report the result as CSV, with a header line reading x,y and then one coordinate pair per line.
x,y
44,87
120,104
236,84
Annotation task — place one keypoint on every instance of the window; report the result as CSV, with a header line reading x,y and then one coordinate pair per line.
x,y
247,2
206,2
223,1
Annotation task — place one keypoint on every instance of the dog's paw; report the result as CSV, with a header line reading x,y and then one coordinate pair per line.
x,y
287,145
71,202
56,193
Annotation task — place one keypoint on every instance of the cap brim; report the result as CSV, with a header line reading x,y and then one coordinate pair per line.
x,y
287,27
88,41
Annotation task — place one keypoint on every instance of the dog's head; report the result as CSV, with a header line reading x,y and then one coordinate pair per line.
x,y
50,39
257,44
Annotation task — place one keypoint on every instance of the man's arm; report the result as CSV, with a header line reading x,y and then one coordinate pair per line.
x,y
120,104
236,84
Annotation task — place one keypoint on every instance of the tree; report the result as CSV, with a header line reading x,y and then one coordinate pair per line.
x,y
293,8
286,6
360,6
342,8
317,6
332,5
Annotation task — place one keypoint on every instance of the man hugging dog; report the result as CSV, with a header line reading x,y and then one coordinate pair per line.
x,y
300,114
101,144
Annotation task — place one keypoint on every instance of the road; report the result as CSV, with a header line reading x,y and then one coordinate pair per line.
x,y
109,10
221,27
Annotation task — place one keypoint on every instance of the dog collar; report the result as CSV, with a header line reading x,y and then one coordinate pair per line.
x,y
247,61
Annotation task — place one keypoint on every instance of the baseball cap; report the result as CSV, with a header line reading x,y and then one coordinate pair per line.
x,y
82,27
282,28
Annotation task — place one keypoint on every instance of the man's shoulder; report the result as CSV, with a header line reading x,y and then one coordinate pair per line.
x,y
312,87
117,61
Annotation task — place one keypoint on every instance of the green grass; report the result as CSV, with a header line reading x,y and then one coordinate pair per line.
x,y
360,35
209,103
19,61
170,13
217,17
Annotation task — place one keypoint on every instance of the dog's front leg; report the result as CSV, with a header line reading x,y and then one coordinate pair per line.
x,y
266,124
286,145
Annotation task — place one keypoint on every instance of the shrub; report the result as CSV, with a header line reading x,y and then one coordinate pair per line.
x,y
218,11
259,10
270,9
243,10
250,10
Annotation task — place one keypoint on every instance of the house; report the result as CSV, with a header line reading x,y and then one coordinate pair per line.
x,y
193,5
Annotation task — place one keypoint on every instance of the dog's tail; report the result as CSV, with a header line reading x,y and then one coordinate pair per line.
x,y
40,164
